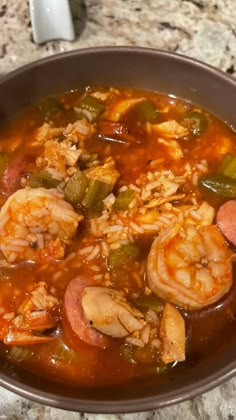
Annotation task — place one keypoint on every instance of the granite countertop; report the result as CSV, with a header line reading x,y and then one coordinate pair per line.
x,y
204,29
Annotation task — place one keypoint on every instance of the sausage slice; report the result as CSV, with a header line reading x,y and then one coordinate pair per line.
x,y
74,314
15,170
226,220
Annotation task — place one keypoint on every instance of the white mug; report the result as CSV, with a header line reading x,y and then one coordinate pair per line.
x,y
51,19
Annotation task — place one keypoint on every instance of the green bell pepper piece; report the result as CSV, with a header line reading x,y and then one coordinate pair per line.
x,y
42,179
228,166
119,256
123,200
92,105
150,302
95,193
76,187
145,112
221,185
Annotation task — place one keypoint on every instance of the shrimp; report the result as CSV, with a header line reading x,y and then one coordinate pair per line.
x,y
189,265
34,316
35,223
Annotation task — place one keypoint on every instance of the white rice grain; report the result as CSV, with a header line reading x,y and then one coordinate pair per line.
x,y
156,343
15,248
12,257
133,203
105,249
9,316
151,316
57,275
109,200
152,185
85,112
172,190
114,228
35,229
82,127
40,240
133,187
98,277
136,228
86,250
70,256
145,333
95,268
55,174
195,215
147,226
195,178
135,341
19,242
94,253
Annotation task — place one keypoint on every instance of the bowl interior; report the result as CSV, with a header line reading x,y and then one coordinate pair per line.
x,y
145,69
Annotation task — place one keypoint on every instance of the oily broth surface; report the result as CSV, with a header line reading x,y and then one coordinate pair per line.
x,y
92,366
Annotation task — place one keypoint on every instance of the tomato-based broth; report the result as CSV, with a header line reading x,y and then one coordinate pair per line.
x,y
116,236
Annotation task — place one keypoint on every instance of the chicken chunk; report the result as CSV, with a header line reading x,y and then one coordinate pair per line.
x,y
170,129
172,332
109,312
172,147
106,173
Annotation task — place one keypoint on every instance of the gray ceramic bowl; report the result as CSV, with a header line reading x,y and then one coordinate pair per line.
x,y
140,68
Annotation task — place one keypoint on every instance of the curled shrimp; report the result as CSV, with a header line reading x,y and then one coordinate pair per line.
x,y
35,223
190,265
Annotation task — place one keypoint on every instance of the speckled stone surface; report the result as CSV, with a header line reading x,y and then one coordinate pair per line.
x,y
204,29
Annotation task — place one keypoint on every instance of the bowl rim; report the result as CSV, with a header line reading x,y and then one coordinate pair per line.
x,y
126,49
133,404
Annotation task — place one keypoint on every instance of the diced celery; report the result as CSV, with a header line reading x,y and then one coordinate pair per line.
x,y
90,107
85,159
221,185
19,354
228,166
226,160
123,200
42,179
131,250
119,256
150,302
6,273
116,258
75,187
49,107
196,122
127,353
152,370
63,353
